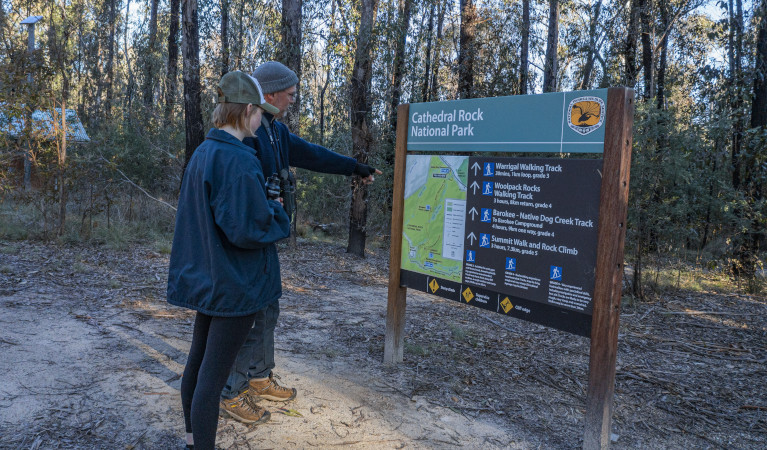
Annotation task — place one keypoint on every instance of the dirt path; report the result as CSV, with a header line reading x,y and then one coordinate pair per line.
x,y
92,357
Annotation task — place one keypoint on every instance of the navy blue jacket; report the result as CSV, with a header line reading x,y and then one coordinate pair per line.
x,y
296,152
224,261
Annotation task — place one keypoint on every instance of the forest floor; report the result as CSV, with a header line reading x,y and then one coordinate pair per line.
x,y
91,356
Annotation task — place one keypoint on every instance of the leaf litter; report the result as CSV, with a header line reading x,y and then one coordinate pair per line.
x,y
93,357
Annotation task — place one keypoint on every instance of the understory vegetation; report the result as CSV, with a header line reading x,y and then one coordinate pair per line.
x,y
697,205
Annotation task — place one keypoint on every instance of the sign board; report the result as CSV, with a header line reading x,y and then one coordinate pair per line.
x,y
539,238
561,122
510,235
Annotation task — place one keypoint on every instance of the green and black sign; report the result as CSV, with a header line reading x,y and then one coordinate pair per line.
x,y
513,235
538,238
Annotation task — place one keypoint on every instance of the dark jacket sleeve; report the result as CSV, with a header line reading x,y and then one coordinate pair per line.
x,y
246,217
317,158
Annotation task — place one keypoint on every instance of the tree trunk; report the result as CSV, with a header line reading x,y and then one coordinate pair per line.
x,y
97,74
58,42
362,137
291,56
630,55
666,23
399,63
322,102
149,58
645,16
110,58
192,109
131,79
437,54
524,50
64,63
291,45
238,42
739,37
591,51
427,58
403,19
759,103
552,42
224,37
752,186
734,52
2,22
467,51
170,79
62,158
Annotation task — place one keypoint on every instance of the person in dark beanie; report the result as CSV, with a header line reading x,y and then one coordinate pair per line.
x,y
251,378
223,263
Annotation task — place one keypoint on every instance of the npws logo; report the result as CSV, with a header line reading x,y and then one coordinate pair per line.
x,y
586,114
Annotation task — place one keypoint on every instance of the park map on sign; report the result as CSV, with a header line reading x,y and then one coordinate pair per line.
x,y
435,208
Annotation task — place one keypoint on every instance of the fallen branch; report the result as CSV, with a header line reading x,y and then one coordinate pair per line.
x,y
713,313
754,407
137,186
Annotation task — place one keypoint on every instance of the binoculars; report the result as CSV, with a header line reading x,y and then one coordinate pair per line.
x,y
283,185
273,187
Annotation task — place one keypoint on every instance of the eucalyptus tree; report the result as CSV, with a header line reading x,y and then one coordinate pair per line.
x,y
291,54
751,168
112,18
172,65
552,43
149,57
191,51
468,49
524,49
362,134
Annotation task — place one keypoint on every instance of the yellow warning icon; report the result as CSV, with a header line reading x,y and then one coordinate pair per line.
x,y
468,295
434,286
506,305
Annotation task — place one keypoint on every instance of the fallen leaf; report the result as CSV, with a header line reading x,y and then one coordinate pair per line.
x,y
289,412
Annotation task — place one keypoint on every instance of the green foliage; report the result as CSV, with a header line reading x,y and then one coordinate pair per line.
x,y
691,272
685,198
668,201
130,220
416,349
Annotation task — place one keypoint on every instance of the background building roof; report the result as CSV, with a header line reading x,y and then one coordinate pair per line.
x,y
43,125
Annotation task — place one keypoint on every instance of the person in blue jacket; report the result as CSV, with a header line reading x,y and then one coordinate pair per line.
x,y
251,377
223,262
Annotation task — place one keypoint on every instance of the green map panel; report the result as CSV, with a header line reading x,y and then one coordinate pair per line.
x,y
435,207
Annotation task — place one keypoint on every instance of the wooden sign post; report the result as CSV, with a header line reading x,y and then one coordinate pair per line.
x,y
587,301
395,313
613,207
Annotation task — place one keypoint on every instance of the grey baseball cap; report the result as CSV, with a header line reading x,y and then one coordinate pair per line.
x,y
239,87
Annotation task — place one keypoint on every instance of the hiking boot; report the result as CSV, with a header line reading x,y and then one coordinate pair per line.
x,y
242,409
269,389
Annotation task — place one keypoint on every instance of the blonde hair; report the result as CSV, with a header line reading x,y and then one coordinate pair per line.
x,y
234,114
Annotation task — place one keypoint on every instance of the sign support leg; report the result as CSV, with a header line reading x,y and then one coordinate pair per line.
x,y
609,267
394,342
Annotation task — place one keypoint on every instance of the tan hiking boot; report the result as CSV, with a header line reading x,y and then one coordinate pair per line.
x,y
269,389
242,409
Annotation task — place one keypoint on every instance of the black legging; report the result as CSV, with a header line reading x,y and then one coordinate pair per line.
x,y
215,343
